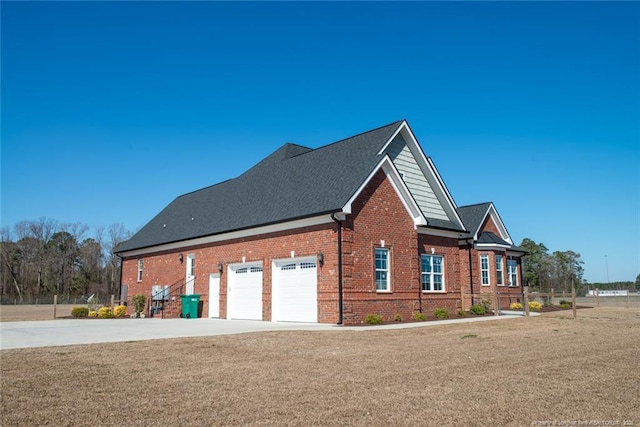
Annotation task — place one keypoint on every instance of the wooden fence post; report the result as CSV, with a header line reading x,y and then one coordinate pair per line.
x,y
113,301
573,302
552,296
496,301
526,301
595,293
55,305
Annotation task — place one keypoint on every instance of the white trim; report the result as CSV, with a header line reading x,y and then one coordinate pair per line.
x,y
398,185
387,270
440,233
282,226
515,254
493,213
393,136
445,190
490,246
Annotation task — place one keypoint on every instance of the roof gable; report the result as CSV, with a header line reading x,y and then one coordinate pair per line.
x,y
476,217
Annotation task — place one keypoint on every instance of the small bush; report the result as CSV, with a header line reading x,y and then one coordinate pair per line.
x,y
93,314
373,319
515,306
397,317
441,313
535,306
119,311
105,313
462,313
566,304
139,301
80,311
419,317
477,309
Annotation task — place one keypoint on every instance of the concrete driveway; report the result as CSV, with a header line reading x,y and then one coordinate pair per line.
x,y
48,333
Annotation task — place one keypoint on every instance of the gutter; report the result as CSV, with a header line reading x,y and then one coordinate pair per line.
x,y
340,300
471,271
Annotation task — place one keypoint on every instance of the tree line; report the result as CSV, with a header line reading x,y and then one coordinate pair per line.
x,y
44,257
560,271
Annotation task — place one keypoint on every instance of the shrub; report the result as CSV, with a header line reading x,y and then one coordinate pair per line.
x,y
566,304
462,313
373,319
119,311
515,306
535,305
441,313
139,301
477,309
105,313
397,317
93,314
80,311
419,316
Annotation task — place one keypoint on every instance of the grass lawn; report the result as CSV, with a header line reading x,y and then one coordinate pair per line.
x,y
524,371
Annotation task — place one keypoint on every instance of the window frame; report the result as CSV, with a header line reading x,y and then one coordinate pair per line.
x,y
499,270
431,274
386,270
140,268
484,269
512,274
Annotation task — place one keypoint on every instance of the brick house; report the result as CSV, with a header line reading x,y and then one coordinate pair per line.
x,y
362,226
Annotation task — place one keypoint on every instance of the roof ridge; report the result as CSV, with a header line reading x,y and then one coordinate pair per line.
x,y
358,134
475,204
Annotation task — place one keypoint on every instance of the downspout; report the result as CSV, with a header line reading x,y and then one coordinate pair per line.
x,y
471,272
120,284
340,301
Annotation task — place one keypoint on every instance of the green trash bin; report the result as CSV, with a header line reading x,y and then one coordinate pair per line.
x,y
190,306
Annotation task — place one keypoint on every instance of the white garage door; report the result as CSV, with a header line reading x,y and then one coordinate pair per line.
x,y
295,290
244,291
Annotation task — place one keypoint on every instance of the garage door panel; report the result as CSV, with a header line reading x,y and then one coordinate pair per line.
x,y
295,294
245,292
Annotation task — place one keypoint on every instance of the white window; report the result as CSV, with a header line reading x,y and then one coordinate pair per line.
x,y
432,277
484,270
512,272
140,265
382,269
499,271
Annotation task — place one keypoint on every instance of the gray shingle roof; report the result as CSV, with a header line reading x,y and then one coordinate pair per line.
x,y
293,182
491,238
472,216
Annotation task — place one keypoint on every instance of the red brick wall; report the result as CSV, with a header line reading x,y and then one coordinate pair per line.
x,y
378,214
165,268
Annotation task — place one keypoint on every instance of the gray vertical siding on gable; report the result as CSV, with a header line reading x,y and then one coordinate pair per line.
x,y
415,179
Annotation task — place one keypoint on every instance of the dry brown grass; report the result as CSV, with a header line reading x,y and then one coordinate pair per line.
x,y
18,313
513,372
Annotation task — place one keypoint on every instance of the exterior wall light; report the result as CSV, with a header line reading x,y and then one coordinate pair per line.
x,y
320,258
181,258
220,267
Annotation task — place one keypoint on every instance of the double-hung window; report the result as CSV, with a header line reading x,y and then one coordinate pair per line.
x,y
140,265
432,276
512,272
382,269
499,271
484,270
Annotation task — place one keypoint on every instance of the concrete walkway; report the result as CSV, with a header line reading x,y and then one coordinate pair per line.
x,y
49,333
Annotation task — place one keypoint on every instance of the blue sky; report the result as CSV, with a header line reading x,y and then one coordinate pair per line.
x,y
111,110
